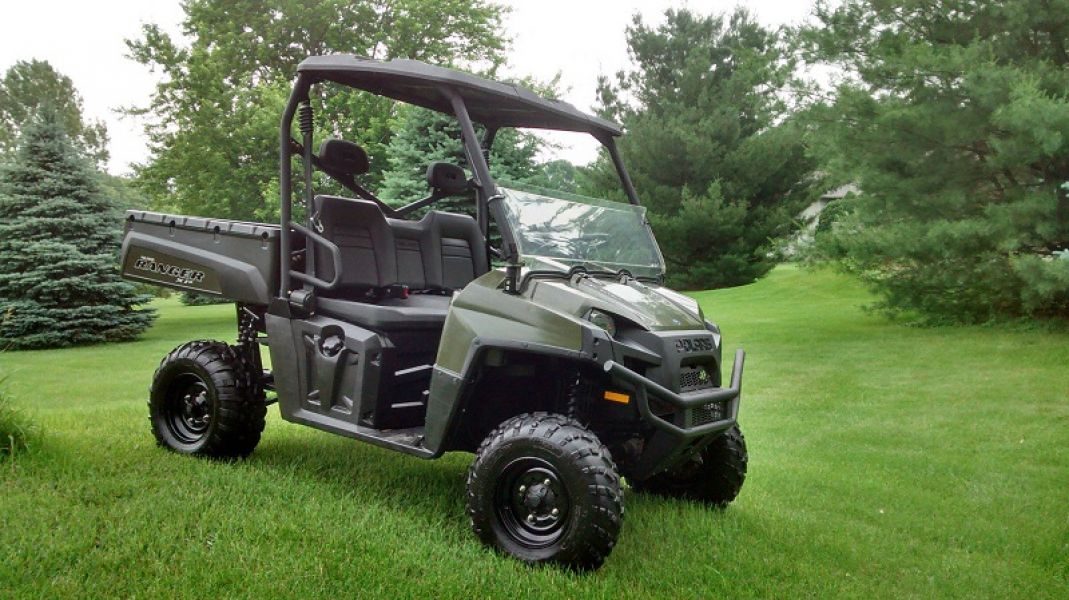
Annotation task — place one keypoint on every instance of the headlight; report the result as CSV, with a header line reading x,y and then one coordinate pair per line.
x,y
715,330
603,320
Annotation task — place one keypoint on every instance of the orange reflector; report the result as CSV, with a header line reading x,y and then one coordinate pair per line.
x,y
617,397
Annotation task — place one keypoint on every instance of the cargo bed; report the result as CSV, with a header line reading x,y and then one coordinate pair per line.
x,y
236,260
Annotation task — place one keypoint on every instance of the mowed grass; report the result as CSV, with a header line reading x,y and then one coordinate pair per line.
x,y
885,461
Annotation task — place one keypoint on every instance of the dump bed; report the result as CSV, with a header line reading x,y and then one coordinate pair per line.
x,y
232,259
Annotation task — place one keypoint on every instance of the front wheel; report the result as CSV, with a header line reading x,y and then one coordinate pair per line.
x,y
543,488
713,476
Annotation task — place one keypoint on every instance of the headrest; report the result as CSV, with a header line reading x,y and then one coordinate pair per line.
x,y
344,157
447,178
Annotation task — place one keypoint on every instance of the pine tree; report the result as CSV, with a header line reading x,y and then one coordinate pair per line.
x,y
59,280
423,136
954,120
710,144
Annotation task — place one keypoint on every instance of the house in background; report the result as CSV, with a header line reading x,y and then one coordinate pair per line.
x,y
810,217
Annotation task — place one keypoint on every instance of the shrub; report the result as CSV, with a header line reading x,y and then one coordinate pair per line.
x,y
15,428
196,299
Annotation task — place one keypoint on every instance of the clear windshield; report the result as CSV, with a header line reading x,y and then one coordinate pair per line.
x,y
554,233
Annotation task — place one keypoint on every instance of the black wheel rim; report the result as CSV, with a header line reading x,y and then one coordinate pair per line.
x,y
532,502
188,410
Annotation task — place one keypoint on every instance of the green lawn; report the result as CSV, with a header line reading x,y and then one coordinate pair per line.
x,y
885,461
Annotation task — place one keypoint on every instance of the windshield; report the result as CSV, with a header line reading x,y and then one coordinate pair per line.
x,y
558,234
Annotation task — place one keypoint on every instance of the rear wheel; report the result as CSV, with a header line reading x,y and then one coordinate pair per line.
x,y
544,489
203,401
714,475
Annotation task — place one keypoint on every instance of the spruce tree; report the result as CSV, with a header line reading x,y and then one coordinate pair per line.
x,y
423,136
59,279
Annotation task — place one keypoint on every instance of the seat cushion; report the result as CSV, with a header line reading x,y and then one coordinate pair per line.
x,y
459,247
421,311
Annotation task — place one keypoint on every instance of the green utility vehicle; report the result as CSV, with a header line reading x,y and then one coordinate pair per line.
x,y
535,334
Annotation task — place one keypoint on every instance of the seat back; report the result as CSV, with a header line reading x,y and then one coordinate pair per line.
x,y
459,250
368,254
408,236
441,251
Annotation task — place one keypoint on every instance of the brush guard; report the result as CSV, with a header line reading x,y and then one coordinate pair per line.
x,y
645,387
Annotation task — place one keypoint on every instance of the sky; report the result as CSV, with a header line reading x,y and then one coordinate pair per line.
x,y
580,39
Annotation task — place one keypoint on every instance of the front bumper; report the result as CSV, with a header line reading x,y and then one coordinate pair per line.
x,y
645,387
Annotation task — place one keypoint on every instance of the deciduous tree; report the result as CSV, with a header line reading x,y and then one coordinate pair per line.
x,y
213,120
26,87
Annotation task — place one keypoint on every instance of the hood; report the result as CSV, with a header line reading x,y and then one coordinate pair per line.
x,y
651,307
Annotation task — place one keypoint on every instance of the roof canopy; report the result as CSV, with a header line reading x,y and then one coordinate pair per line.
x,y
491,103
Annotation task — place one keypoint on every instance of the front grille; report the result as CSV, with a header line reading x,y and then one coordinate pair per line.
x,y
714,411
694,378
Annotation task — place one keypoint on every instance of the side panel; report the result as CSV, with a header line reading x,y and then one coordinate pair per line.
x,y
482,310
235,260
324,366
328,375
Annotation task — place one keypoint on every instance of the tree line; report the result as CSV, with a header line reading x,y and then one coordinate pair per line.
x,y
950,118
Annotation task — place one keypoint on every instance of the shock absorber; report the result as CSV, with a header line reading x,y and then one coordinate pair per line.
x,y
307,122
305,119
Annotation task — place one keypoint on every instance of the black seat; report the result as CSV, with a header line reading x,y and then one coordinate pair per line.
x,y
368,256
369,263
441,251
458,250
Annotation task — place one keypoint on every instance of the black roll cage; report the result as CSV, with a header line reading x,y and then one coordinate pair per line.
x,y
487,198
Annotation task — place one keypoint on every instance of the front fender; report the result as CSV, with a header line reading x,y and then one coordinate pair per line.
x,y
482,317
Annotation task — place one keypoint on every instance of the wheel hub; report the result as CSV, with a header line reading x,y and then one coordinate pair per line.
x,y
533,502
195,409
540,499
188,411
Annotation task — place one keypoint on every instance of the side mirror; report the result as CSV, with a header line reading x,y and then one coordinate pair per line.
x,y
344,157
447,179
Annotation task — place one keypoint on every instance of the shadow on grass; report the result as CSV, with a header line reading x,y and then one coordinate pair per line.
x,y
432,493
350,467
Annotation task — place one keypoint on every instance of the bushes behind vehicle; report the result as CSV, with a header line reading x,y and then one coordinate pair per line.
x,y
195,299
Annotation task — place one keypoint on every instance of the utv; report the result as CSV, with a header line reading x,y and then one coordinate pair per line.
x,y
554,354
